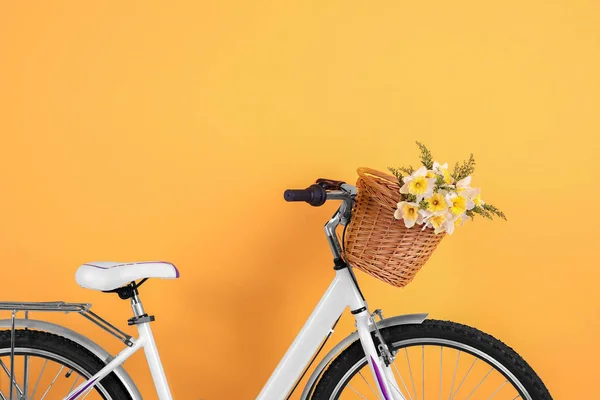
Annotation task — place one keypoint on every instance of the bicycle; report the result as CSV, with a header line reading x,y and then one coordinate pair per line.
x,y
383,346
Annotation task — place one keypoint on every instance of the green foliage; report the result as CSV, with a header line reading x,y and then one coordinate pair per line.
x,y
493,210
470,214
488,211
481,211
439,181
426,158
411,198
397,173
464,170
408,170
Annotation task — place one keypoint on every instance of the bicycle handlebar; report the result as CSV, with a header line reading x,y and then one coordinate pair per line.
x,y
315,195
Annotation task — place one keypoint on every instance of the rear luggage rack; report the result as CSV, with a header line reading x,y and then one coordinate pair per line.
x,y
82,309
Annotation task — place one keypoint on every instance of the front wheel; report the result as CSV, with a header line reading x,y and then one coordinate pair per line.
x,y
436,360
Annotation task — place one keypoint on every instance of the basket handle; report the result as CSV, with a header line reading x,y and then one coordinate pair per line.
x,y
383,188
365,171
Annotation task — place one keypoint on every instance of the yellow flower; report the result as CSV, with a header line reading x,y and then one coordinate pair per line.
x,y
463,188
452,223
418,184
443,169
430,174
409,212
447,177
477,200
436,203
458,221
438,222
458,205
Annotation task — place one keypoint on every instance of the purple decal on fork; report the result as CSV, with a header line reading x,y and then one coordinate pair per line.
x,y
386,396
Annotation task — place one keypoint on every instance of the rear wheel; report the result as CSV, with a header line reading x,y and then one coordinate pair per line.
x,y
436,360
49,367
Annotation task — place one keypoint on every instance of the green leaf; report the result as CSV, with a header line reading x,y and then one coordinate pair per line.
x,y
464,170
397,174
426,158
493,210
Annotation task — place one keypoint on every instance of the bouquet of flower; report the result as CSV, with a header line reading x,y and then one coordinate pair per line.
x,y
433,197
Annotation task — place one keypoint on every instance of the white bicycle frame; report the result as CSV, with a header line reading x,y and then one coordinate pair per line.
x,y
342,293
146,341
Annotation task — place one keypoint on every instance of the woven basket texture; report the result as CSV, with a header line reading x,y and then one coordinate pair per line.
x,y
377,243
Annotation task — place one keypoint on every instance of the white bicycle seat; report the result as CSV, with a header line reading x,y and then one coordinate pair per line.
x,y
109,275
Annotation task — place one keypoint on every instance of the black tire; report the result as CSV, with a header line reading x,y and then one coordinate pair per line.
x,y
79,359
455,332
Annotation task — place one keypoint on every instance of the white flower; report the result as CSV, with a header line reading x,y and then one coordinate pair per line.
x,y
409,212
437,203
464,183
476,197
437,166
438,222
442,169
463,187
458,204
418,184
454,221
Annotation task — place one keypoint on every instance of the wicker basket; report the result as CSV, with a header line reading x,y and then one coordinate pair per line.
x,y
377,243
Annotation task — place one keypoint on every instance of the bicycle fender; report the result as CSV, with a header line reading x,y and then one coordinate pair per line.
x,y
406,319
78,338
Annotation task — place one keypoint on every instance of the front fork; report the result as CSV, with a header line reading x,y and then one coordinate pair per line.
x,y
382,372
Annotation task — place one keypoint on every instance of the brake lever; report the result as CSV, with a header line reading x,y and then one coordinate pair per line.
x,y
347,205
330,184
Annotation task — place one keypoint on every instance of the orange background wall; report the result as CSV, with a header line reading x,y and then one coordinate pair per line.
x,y
169,130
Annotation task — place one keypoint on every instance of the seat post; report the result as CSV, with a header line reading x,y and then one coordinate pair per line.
x,y
136,305
139,315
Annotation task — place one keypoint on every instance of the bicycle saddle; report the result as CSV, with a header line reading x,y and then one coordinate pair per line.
x,y
109,275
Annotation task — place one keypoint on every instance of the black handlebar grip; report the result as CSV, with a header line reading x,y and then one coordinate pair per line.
x,y
297,195
315,195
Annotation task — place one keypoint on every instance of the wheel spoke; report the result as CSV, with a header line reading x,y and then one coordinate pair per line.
x,y
55,383
370,387
476,387
402,380
73,385
91,388
39,379
454,377
52,383
14,380
463,380
396,389
357,392
497,390
411,375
